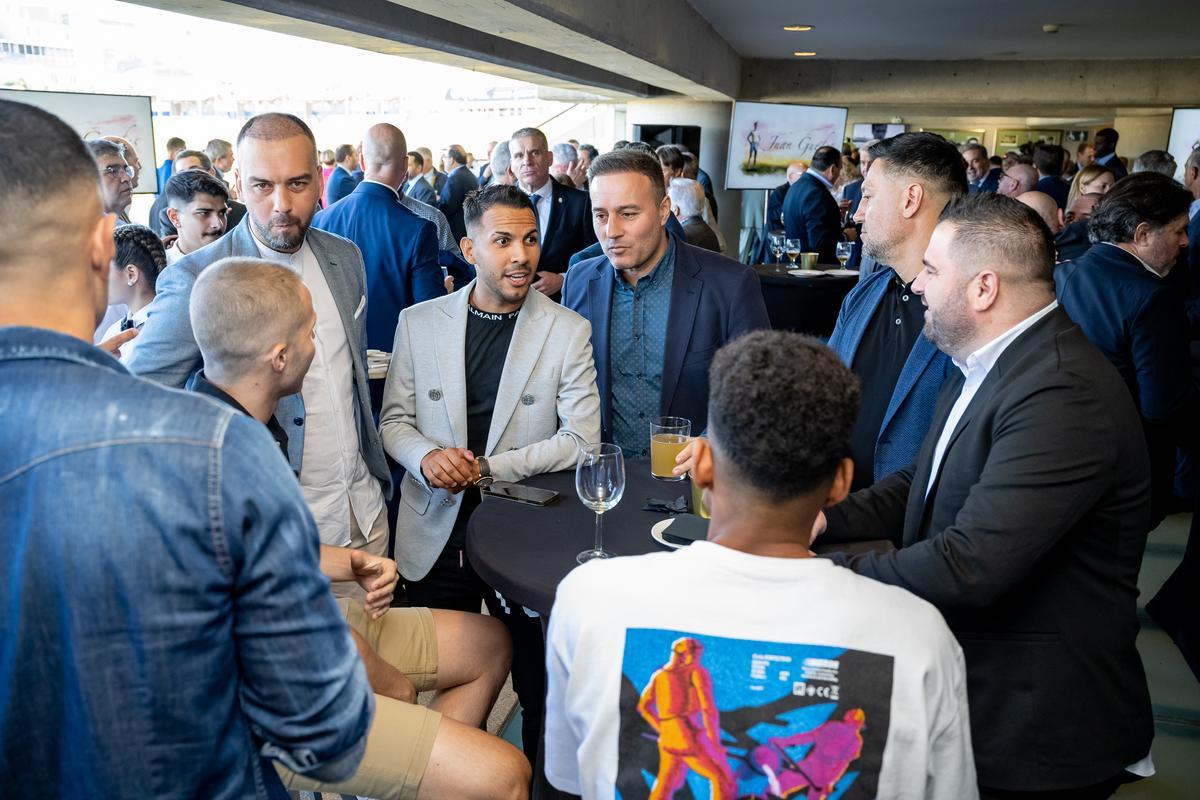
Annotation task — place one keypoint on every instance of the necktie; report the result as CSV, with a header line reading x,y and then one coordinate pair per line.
x,y
126,324
535,199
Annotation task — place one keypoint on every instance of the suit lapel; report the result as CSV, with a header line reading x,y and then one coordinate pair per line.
x,y
343,289
918,360
554,221
860,322
600,296
529,337
685,299
915,512
450,331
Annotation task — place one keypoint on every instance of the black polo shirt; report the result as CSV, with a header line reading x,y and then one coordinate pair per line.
x,y
886,343
201,385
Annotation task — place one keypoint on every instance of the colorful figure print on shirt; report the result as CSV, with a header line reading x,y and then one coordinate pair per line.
x,y
715,718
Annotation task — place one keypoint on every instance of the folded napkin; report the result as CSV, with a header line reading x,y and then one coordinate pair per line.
x,y
677,506
685,529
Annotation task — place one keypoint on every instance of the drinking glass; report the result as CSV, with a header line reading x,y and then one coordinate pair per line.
x,y
793,249
668,436
599,482
777,247
844,249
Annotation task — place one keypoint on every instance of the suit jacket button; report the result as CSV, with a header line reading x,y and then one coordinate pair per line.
x,y
435,395
446,501
527,399
298,421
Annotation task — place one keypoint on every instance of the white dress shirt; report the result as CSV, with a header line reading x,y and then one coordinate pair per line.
x,y
138,318
333,473
546,193
173,253
976,370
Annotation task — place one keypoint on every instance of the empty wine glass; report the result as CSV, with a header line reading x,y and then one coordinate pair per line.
x,y
599,482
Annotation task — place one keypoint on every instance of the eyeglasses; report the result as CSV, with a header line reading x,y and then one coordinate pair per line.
x,y
115,171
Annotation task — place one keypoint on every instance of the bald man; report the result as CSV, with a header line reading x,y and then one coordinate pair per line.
x,y
1046,208
1017,180
400,250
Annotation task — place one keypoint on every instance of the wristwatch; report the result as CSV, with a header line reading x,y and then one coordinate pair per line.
x,y
485,473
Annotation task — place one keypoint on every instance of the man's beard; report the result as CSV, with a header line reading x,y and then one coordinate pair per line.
x,y
276,242
950,329
878,247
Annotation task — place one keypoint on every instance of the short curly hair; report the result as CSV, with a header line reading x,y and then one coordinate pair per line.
x,y
781,410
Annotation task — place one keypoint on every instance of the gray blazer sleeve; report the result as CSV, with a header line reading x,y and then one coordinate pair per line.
x,y
398,417
166,347
578,407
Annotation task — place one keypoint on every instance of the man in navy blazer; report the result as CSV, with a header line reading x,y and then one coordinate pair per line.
x,y
342,181
660,308
416,186
1049,160
399,249
1106,152
879,331
564,214
810,213
1118,294
981,175
459,181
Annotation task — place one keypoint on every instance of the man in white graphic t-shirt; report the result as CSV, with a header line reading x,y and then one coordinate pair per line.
x,y
742,666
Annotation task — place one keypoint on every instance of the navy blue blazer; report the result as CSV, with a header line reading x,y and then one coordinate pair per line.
x,y
910,412
811,215
569,228
451,196
1192,301
591,251
1115,166
706,182
421,190
853,192
990,182
713,300
775,206
1055,187
400,252
340,184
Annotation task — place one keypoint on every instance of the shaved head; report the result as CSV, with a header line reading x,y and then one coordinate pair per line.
x,y
1046,208
383,145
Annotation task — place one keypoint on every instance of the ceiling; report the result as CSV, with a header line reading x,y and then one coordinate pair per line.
x,y
953,30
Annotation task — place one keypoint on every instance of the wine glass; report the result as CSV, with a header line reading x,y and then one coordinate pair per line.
x,y
793,250
844,249
777,247
599,482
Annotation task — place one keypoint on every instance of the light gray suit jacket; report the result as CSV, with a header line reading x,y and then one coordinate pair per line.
x,y
546,406
171,355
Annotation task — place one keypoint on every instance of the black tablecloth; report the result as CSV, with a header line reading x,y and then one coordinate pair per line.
x,y
524,551
808,305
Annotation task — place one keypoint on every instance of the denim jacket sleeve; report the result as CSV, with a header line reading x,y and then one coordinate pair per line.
x,y
304,691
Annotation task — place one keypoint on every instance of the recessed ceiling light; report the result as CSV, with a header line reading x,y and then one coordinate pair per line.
x,y
800,28
804,53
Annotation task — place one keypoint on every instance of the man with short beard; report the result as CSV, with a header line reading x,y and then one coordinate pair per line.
x,y
333,442
878,334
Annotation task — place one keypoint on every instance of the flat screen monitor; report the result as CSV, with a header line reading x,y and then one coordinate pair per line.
x,y
765,137
866,131
96,115
1185,137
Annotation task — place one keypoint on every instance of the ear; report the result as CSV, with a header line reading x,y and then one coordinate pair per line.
x,y
132,274
914,195
101,247
468,249
664,209
702,463
1141,234
983,290
173,215
840,487
277,357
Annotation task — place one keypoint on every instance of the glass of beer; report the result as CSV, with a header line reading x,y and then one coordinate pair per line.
x,y
793,250
844,249
668,436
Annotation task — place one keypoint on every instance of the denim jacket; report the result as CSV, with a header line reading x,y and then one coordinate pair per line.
x,y
164,627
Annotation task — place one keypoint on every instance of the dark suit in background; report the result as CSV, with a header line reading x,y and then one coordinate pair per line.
x,y
706,182
1114,165
1137,320
1030,542
1192,300
569,228
1055,187
450,198
698,234
1072,241
775,206
340,184
399,250
713,300
421,190
811,215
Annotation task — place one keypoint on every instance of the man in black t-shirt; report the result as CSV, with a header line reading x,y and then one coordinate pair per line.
x,y
491,382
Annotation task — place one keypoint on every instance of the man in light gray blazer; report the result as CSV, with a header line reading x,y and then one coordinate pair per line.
x,y
491,382
332,442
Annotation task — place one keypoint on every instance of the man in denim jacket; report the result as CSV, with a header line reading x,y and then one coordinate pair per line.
x,y
165,627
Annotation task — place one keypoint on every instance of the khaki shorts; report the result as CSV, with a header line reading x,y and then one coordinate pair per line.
x,y
401,735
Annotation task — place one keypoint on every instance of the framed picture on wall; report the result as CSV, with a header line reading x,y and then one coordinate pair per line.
x,y
1075,137
959,137
1013,139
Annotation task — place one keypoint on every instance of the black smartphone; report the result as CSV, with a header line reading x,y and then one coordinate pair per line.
x,y
530,495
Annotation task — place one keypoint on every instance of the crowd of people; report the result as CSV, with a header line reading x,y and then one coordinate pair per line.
x,y
234,560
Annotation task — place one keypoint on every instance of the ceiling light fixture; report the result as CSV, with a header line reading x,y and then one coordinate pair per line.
x,y
799,28
804,53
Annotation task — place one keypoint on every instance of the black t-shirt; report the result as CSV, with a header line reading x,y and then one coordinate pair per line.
x,y
201,385
488,337
886,343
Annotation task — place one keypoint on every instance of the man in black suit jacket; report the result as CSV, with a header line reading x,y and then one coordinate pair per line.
x,y
1119,295
810,213
564,214
1106,152
1049,160
1024,516
982,176
459,181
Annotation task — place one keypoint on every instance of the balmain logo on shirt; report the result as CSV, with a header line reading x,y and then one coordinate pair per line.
x,y
475,312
